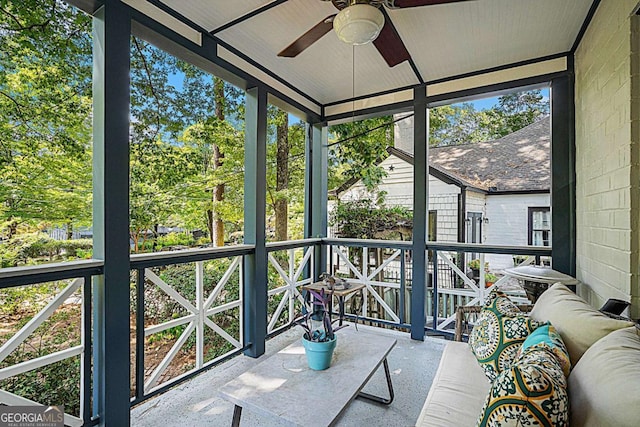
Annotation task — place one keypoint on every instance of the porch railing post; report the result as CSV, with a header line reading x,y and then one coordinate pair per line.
x,y
434,286
111,99
140,336
420,210
85,365
255,284
403,285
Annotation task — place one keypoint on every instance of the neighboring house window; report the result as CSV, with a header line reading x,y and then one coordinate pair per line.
x,y
540,226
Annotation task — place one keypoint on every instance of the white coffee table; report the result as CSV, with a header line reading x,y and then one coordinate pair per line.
x,y
284,387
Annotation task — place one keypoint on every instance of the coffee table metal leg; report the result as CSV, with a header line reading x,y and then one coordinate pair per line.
x,y
237,412
379,399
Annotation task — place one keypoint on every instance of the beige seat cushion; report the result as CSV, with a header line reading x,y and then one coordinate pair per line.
x,y
604,387
458,391
579,324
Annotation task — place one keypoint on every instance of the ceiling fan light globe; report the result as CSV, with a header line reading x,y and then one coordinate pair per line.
x,y
358,24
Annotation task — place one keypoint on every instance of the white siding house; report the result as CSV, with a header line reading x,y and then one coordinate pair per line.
x,y
501,187
398,186
508,222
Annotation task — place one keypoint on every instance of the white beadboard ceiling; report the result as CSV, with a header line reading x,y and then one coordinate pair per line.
x,y
443,40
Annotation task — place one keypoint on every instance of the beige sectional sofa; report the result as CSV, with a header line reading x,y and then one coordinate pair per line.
x,y
604,384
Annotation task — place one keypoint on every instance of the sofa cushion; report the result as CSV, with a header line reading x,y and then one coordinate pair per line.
x,y
498,333
579,324
533,391
604,387
546,335
457,392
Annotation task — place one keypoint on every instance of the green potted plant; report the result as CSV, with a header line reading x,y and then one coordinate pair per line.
x,y
319,339
474,265
490,279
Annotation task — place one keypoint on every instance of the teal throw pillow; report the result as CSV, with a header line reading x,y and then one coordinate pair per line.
x,y
546,335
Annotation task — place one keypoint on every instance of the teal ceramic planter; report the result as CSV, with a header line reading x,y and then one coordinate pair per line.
x,y
319,353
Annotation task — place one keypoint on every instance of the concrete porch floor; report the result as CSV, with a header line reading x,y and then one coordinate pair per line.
x,y
195,403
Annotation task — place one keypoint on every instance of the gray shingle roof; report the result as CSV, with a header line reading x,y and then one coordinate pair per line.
x,y
517,162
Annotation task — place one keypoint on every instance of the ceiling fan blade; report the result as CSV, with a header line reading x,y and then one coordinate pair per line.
x,y
415,3
308,38
390,45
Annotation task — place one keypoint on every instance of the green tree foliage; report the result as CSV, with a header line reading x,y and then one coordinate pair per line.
x,y
515,111
176,138
285,176
45,124
199,141
463,124
364,219
280,207
176,131
455,124
357,148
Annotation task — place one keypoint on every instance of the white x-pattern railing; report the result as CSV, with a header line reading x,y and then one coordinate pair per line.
x,y
472,293
290,290
367,278
197,320
23,334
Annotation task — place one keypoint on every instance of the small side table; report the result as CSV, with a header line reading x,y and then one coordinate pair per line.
x,y
341,294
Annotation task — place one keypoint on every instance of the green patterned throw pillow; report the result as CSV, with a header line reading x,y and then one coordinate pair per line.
x,y
497,335
532,392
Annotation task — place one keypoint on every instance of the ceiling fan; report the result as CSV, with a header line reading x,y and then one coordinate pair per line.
x,y
365,15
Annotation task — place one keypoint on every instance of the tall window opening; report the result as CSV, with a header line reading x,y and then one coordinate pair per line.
x,y
540,226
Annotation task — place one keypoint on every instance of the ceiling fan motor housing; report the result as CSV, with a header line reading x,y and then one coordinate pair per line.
x,y
358,24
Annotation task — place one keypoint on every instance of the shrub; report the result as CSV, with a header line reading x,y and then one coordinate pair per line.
x,y
181,277
175,239
362,219
28,248
70,247
55,384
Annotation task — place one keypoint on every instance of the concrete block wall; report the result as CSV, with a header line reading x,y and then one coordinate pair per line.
x,y
606,174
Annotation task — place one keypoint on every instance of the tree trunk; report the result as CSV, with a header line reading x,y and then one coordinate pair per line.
x,y
217,231
13,229
282,176
144,241
135,236
154,246
69,230
210,224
